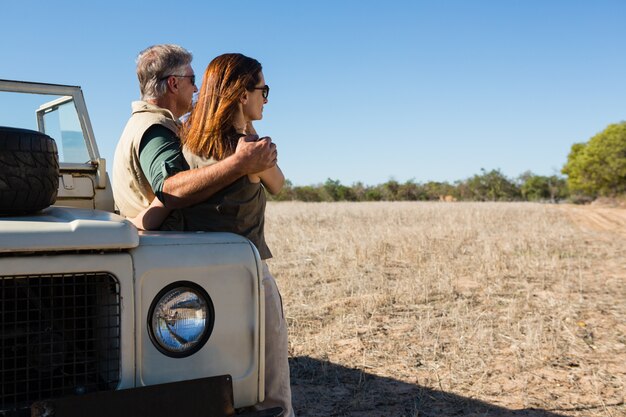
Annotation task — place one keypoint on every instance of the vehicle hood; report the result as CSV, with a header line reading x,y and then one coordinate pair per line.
x,y
66,228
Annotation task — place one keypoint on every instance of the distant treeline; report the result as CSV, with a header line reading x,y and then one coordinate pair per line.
x,y
594,169
486,186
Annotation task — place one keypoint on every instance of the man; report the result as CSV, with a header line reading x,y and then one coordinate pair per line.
x,y
148,159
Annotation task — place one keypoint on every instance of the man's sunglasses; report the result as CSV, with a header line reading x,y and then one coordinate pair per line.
x,y
265,92
192,78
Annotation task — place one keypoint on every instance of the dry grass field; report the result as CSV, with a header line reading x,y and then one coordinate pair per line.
x,y
453,309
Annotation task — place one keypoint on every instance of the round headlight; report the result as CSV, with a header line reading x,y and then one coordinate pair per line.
x,y
181,319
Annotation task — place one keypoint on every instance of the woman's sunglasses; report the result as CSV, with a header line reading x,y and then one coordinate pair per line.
x,y
265,92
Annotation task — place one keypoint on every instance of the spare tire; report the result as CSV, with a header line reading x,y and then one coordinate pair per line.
x,y
29,171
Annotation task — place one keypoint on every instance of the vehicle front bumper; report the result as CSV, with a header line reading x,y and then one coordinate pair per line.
x,y
203,397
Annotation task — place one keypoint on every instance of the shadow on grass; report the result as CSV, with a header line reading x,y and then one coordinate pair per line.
x,y
325,389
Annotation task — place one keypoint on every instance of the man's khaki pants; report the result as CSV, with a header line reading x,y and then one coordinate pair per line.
x,y
277,385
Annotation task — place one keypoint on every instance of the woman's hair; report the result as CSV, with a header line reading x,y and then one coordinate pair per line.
x,y
209,131
155,64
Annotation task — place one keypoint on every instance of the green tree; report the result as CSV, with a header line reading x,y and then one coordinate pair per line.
x,y
598,167
411,191
492,186
435,190
389,190
307,193
373,193
338,192
542,188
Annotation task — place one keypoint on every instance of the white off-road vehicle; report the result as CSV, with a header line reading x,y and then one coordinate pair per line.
x,y
96,318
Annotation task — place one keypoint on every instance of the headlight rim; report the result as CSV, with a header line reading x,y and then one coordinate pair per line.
x,y
210,322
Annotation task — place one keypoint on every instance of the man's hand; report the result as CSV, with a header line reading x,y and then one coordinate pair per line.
x,y
254,154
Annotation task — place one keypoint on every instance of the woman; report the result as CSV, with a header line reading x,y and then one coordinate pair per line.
x,y
231,98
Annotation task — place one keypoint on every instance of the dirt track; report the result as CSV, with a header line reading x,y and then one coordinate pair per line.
x,y
598,218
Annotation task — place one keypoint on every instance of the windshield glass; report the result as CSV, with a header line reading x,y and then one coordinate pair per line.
x,y
53,115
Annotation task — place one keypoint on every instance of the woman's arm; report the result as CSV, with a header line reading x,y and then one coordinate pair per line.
x,y
272,179
152,217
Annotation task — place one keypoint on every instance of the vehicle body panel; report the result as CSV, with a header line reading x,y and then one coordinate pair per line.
x,y
227,267
82,235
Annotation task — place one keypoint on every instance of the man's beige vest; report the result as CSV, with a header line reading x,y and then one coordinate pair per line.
x,y
131,189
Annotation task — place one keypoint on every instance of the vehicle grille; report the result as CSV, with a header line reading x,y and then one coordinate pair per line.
x,y
59,336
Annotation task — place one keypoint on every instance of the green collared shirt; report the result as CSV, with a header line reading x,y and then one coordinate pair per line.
x,y
160,156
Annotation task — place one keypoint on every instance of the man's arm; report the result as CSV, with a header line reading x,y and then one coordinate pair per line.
x,y
176,186
152,217
187,188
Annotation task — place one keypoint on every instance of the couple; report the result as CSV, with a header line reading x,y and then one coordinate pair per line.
x,y
208,173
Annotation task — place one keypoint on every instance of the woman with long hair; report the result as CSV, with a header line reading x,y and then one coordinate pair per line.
x,y
232,96
230,99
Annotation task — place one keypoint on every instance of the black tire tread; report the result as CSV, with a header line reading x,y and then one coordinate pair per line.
x,y
29,171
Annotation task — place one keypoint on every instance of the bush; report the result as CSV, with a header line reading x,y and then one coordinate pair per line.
x,y
598,167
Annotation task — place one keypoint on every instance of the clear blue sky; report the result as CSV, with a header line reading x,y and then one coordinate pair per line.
x,y
361,90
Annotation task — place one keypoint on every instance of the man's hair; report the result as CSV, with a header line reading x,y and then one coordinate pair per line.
x,y
209,131
155,64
